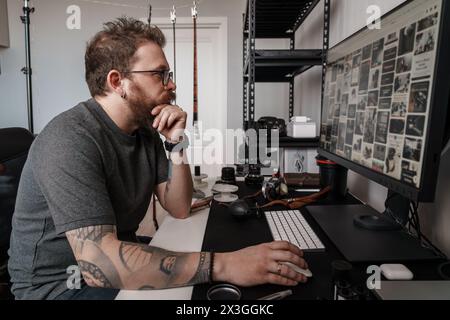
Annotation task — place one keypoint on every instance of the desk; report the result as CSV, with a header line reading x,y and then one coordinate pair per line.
x,y
216,230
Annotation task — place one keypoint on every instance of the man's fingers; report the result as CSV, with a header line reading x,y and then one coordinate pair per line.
x,y
280,280
156,110
287,272
163,121
287,256
284,245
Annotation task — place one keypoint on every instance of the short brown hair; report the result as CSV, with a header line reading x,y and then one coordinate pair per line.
x,y
114,48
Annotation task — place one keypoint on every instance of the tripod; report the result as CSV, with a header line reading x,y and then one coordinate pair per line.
x,y
27,69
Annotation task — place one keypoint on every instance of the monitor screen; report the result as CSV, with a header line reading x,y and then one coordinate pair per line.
x,y
379,96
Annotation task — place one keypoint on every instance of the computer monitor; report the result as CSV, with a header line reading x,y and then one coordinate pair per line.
x,y
386,98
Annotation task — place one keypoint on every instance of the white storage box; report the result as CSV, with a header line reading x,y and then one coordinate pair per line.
x,y
301,127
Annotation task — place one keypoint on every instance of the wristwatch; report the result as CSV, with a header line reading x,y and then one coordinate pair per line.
x,y
182,144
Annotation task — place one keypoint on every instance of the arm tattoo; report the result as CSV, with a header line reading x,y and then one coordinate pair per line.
x,y
93,275
167,264
133,255
202,273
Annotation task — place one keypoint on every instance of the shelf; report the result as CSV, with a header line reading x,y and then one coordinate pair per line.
x,y
279,19
288,142
283,65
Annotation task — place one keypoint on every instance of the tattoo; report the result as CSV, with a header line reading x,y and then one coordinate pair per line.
x,y
167,264
95,234
93,275
202,273
133,255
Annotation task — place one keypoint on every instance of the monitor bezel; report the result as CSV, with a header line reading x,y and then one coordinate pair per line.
x,y
439,105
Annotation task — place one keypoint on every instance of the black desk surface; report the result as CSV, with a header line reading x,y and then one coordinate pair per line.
x,y
224,234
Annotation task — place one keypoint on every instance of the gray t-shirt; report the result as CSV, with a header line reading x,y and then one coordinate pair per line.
x,y
82,170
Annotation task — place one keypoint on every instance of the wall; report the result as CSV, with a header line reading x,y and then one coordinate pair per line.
x,y
347,17
57,53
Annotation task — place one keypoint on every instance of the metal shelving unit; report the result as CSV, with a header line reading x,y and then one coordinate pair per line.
x,y
278,19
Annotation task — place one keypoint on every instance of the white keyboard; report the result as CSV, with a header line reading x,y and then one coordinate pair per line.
x,y
290,225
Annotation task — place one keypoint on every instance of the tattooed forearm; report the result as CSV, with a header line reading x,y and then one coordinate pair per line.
x,y
109,263
93,275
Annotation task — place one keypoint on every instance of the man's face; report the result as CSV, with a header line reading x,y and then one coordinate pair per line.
x,y
146,90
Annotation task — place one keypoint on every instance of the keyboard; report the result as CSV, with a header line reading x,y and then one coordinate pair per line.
x,y
291,226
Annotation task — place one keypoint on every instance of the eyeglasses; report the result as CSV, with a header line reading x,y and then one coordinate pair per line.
x,y
165,75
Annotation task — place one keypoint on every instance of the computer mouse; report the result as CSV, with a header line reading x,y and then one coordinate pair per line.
x,y
305,272
240,209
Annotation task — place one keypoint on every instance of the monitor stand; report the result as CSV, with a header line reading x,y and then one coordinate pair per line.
x,y
394,217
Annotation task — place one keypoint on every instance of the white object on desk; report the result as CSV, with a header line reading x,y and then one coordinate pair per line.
x,y
396,272
301,127
225,192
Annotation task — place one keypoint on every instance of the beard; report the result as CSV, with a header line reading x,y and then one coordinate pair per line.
x,y
142,106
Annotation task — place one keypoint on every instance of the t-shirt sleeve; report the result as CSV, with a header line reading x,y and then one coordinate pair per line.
x,y
69,171
162,163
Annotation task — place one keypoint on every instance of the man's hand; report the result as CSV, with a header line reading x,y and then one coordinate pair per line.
x,y
260,264
170,121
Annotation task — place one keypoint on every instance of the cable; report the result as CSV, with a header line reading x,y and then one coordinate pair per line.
x,y
107,3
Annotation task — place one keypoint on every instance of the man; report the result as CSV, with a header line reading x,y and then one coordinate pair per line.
x,y
89,178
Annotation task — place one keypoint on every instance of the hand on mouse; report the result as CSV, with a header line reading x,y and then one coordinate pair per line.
x,y
260,264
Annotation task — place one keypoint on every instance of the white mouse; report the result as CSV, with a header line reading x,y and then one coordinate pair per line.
x,y
305,272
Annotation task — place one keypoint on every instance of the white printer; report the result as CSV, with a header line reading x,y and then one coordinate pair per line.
x,y
301,127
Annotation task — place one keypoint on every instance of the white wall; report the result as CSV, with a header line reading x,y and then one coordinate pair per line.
x,y
58,53
347,17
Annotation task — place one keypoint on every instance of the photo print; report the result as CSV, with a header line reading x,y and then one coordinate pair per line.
x,y
418,98
333,147
379,152
401,83
364,77
359,126
329,129
399,107
415,125
397,126
425,41
357,145
377,53
350,132
374,78
428,22
362,103
384,103
348,152
391,39
382,127
389,66
366,52
386,91
394,156
372,100
351,113
404,64
390,54
413,149
387,79
344,105
355,69
354,96
407,37
369,125
334,128
378,166
367,151
341,136
410,173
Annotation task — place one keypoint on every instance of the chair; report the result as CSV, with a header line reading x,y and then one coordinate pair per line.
x,y
14,146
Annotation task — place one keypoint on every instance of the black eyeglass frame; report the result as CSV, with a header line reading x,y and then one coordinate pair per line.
x,y
165,75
